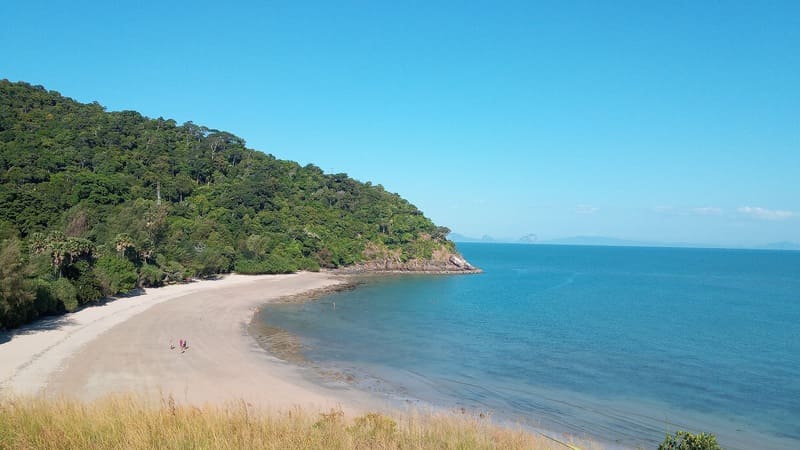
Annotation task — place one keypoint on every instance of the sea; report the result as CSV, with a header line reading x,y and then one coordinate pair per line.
x,y
620,345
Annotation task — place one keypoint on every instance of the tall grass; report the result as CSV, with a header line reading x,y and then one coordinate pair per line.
x,y
130,423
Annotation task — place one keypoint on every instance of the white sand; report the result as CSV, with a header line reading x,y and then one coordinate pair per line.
x,y
123,346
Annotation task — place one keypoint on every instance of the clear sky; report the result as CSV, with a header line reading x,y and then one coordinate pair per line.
x,y
675,121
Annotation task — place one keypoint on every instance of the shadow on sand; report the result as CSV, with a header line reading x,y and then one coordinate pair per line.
x,y
45,323
41,324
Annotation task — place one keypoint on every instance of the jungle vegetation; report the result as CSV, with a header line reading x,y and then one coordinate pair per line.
x,y
95,203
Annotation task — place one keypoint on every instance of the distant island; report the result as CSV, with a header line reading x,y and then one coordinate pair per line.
x,y
534,239
95,203
613,242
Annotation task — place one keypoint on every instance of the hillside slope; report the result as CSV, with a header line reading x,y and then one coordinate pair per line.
x,y
94,203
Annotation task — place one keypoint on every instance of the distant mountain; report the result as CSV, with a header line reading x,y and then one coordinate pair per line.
x,y
533,239
602,240
455,237
616,242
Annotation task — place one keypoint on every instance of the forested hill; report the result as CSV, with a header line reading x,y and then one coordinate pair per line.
x,y
95,203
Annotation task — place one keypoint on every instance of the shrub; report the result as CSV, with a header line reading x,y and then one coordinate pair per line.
x,y
64,293
115,274
151,276
16,292
279,264
174,272
46,302
683,440
213,260
270,264
309,265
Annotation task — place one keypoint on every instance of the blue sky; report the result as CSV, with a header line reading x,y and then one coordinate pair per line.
x,y
659,121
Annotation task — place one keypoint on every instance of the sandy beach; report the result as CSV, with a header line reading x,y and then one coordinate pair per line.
x,y
124,346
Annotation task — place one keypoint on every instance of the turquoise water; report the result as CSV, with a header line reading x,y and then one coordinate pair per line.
x,y
618,344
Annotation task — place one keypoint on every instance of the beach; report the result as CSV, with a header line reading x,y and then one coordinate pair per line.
x,y
124,346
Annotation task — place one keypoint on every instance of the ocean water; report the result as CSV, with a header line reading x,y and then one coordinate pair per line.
x,y
618,344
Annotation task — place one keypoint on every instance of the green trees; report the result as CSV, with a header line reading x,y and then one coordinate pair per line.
x,y
60,295
115,274
105,201
64,252
16,292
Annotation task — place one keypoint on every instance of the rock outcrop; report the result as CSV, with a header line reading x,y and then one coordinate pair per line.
x,y
442,262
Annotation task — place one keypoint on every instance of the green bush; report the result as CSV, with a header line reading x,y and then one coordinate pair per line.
x,y
250,267
174,272
212,260
65,293
115,275
270,264
82,275
46,302
16,292
683,440
151,276
309,265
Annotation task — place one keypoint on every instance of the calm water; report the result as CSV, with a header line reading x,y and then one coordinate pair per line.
x,y
621,344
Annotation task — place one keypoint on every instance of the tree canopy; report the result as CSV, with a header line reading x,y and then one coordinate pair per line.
x,y
95,203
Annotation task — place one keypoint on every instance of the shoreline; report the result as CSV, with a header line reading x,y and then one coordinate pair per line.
x,y
124,346
288,347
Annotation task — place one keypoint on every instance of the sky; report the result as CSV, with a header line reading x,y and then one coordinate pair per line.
x,y
674,121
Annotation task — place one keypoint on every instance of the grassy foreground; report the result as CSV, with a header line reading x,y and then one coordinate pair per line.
x,y
127,422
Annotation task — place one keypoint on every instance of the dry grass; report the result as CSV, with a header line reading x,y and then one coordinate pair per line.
x,y
127,422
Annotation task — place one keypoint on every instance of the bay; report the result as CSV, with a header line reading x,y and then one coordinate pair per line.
x,y
618,344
